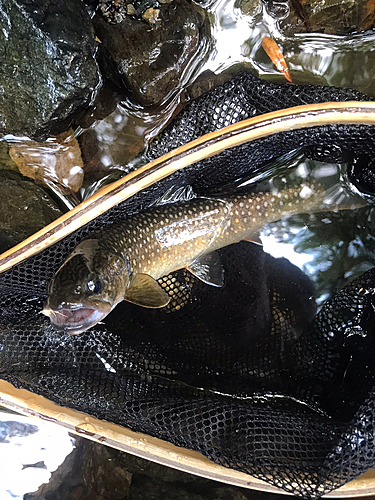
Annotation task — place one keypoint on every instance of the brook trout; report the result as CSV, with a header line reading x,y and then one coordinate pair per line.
x,y
124,260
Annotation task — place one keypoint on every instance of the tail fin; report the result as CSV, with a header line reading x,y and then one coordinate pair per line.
x,y
327,187
343,196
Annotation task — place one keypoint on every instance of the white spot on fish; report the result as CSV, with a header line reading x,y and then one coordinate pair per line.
x,y
76,170
306,192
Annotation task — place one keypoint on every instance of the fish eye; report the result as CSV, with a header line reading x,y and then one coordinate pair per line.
x,y
93,287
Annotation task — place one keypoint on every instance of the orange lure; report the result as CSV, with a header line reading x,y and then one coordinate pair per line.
x,y
274,53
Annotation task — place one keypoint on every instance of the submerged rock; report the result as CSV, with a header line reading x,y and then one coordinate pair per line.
x,y
95,472
152,55
338,17
58,160
47,66
6,162
25,209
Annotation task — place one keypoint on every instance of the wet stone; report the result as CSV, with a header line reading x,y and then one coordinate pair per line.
x,y
151,54
113,11
27,208
151,15
130,9
48,69
249,7
338,17
6,162
57,160
104,475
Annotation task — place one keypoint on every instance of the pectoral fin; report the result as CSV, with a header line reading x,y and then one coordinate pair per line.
x,y
144,291
254,238
208,269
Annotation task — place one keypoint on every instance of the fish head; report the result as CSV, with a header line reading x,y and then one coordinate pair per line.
x,y
85,288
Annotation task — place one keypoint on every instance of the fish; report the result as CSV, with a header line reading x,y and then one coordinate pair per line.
x,y
124,260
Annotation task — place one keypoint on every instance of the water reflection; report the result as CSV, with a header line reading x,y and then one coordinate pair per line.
x,y
30,450
345,61
313,58
330,248
111,143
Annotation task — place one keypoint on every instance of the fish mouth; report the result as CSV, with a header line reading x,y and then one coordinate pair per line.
x,y
74,320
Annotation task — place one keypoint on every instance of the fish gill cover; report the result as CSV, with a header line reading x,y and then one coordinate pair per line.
x,y
250,375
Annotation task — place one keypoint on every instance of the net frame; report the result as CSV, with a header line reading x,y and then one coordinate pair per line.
x,y
153,449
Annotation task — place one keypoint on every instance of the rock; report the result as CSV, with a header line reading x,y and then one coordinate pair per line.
x,y
104,474
89,472
145,468
65,483
159,490
57,160
250,7
109,143
114,11
25,209
108,147
337,17
151,57
96,472
47,66
6,162
151,15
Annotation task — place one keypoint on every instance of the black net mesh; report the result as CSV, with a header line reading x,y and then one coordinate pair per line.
x,y
250,374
